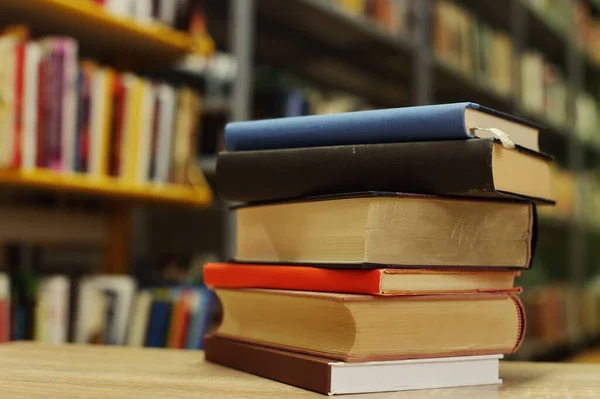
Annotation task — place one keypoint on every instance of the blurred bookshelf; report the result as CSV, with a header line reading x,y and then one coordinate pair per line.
x,y
91,24
536,59
102,115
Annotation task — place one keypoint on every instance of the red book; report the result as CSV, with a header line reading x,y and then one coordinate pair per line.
x,y
371,282
19,86
118,119
178,329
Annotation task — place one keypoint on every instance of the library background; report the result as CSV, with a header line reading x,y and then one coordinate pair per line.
x,y
112,113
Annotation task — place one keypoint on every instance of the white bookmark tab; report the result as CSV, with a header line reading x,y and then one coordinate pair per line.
x,y
504,138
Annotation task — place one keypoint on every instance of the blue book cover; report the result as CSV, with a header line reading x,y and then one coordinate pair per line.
x,y
159,322
199,321
423,123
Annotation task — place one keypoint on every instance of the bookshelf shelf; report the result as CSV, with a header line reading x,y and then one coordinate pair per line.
x,y
109,34
107,187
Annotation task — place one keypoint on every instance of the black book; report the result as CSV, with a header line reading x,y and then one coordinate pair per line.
x,y
472,168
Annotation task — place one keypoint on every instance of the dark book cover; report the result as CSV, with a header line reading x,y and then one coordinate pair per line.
x,y
117,126
82,132
304,371
454,167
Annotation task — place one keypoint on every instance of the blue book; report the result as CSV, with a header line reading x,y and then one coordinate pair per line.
x,y
424,123
199,320
159,322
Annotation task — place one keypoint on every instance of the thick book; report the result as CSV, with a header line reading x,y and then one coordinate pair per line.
x,y
371,282
389,230
423,123
351,327
482,168
332,377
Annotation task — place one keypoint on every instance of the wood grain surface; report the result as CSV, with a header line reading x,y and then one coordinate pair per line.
x,y
66,372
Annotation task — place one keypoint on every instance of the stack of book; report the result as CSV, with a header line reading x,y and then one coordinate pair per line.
x,y
70,116
370,259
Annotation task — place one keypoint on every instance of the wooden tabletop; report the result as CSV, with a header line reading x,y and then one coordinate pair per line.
x,y
65,372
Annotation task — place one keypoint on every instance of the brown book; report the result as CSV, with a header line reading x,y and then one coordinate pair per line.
x,y
354,328
388,229
331,377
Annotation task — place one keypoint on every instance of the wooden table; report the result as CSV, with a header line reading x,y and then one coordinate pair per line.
x,y
65,372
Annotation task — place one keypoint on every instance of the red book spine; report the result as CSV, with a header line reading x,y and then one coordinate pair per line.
x,y
19,86
4,321
185,323
117,126
224,275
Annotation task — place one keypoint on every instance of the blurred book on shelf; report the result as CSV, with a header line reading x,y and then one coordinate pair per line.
x,y
585,23
101,309
564,190
560,315
472,47
70,116
185,15
396,17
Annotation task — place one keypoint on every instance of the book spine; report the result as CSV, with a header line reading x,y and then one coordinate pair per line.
x,y
460,167
301,371
42,113
222,275
18,104
30,107
435,122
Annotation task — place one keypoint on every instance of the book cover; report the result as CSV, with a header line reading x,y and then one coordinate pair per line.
x,y
81,146
68,124
91,313
368,282
331,377
144,145
42,110
100,121
129,146
5,308
166,126
353,319
259,233
160,315
177,331
421,123
8,44
200,317
19,86
31,94
139,321
52,310
454,167
117,126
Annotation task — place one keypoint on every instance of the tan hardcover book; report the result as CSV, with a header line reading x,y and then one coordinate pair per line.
x,y
388,229
352,327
